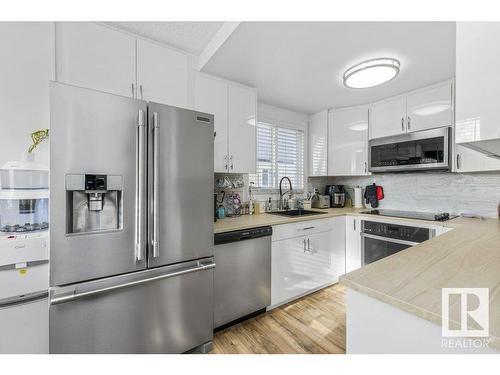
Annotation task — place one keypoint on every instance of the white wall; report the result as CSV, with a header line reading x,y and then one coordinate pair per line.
x,y
27,66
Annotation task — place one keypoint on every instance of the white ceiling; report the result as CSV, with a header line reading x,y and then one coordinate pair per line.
x,y
299,65
191,37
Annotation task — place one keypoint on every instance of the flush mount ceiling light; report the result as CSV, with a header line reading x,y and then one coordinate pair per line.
x,y
371,73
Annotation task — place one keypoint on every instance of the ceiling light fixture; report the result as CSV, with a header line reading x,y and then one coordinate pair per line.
x,y
371,73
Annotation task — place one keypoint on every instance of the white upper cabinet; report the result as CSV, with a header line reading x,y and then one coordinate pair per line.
x,y
162,74
427,108
242,120
94,56
348,142
27,65
211,97
318,144
235,109
430,108
477,81
468,160
388,117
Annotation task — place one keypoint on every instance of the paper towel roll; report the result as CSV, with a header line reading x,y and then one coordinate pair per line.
x,y
358,197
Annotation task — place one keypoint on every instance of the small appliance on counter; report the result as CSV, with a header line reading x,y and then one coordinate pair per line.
x,y
24,257
337,195
320,201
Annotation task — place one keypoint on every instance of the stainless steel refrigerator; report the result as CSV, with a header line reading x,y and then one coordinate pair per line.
x,y
131,212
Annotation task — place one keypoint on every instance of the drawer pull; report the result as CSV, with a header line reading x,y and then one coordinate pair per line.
x,y
307,228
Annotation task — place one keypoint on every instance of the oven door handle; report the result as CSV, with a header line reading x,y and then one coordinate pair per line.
x,y
387,239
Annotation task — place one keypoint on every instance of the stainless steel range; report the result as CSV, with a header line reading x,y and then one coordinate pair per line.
x,y
380,240
429,216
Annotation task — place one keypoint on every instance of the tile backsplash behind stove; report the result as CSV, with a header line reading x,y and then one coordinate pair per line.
x,y
430,191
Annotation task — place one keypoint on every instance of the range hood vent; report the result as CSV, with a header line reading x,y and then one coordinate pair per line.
x,y
489,147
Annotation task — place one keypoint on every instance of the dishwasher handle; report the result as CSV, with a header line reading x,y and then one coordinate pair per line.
x,y
242,235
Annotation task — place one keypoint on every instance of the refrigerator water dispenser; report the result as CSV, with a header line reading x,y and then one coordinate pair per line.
x,y
94,203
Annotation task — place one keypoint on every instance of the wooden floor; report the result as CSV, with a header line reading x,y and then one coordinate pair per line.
x,y
312,324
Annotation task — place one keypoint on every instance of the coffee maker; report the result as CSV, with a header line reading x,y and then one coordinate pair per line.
x,y
337,195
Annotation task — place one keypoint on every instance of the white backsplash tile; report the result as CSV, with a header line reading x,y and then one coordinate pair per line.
x,y
430,191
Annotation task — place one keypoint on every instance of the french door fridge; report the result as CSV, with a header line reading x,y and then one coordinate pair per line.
x,y
131,210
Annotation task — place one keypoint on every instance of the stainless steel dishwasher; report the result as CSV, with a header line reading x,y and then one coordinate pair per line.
x,y
242,280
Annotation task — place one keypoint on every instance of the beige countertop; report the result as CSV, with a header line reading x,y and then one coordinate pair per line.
x,y
468,256
259,220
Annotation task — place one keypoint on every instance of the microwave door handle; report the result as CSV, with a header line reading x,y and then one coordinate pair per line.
x,y
156,184
140,187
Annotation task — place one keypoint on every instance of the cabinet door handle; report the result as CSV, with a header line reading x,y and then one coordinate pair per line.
x,y
459,160
231,161
133,90
308,245
365,167
402,124
409,122
304,243
140,90
354,221
226,166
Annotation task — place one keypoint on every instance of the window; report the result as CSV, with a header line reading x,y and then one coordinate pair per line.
x,y
280,152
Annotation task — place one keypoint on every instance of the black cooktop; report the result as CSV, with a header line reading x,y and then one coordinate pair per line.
x,y
441,216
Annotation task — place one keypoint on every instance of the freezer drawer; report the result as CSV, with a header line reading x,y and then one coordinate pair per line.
x,y
24,324
25,278
162,310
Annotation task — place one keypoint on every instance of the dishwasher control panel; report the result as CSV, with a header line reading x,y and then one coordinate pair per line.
x,y
240,235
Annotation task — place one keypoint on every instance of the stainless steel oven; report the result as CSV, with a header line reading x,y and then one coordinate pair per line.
x,y
380,240
422,150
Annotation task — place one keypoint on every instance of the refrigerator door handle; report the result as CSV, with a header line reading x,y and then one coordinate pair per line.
x,y
71,295
140,187
156,184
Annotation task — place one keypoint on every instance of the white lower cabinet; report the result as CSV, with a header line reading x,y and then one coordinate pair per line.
x,y
308,259
352,243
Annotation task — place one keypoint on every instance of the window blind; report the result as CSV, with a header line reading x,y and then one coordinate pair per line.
x,y
280,152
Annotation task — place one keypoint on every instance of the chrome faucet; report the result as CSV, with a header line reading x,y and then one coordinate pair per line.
x,y
282,206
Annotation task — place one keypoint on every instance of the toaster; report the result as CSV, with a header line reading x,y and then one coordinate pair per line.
x,y
321,201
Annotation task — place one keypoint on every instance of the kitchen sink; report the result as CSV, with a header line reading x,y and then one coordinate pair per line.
x,y
299,212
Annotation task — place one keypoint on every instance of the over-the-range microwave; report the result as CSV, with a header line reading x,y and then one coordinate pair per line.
x,y
422,150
